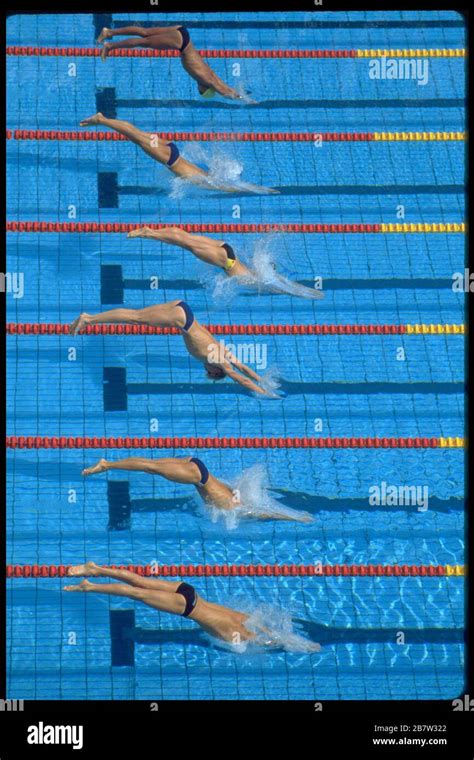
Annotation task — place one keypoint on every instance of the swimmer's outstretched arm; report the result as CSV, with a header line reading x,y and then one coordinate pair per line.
x,y
227,92
245,381
246,370
303,518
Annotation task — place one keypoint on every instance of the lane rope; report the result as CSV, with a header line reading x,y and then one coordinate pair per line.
x,y
52,328
238,442
94,52
52,134
120,227
254,570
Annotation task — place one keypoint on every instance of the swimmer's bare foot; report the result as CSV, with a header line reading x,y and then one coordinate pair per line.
x,y
92,120
82,586
104,52
88,568
142,232
95,469
105,34
78,324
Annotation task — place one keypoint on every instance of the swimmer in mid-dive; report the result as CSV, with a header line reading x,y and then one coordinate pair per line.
x,y
222,255
167,153
172,38
180,598
193,471
218,361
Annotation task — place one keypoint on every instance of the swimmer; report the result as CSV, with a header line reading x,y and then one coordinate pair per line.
x,y
178,598
166,153
172,38
193,471
220,254
218,361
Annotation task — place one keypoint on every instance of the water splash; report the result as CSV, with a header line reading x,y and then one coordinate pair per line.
x,y
223,173
274,629
271,383
263,277
244,93
254,501
224,288
266,278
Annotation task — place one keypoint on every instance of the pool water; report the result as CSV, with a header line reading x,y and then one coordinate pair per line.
x,y
63,646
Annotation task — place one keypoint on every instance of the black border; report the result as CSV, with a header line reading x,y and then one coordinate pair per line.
x,y
354,731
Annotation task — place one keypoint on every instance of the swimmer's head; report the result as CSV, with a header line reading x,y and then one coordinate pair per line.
x,y
214,372
206,92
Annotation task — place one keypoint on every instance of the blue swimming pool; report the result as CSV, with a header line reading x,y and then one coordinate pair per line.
x,y
408,385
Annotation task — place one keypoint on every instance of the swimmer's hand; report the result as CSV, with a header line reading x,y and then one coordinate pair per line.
x,y
243,95
246,99
271,394
244,380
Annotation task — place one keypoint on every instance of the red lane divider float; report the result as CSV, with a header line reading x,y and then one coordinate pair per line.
x,y
13,328
216,228
61,571
95,52
49,134
238,442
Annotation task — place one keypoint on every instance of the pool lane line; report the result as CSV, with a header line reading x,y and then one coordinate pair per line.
x,y
315,228
311,137
354,54
57,328
253,570
237,442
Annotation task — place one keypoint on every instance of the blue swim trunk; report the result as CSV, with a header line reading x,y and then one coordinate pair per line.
x,y
202,469
174,154
188,314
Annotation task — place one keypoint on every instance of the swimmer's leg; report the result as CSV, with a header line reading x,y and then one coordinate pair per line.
x,y
132,42
169,33
163,315
159,600
96,571
114,316
172,468
123,31
149,142
204,248
158,38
